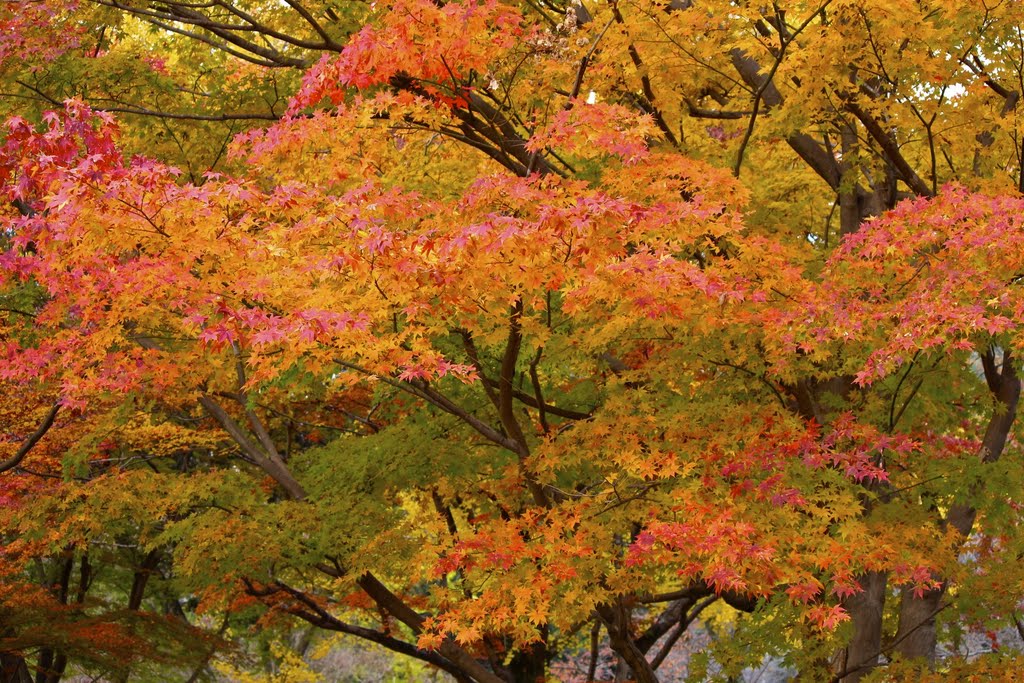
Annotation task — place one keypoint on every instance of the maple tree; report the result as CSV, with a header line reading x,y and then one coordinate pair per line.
x,y
502,330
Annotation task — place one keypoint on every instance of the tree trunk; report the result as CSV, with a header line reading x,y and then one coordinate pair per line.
x,y
916,636
141,578
13,669
861,655
529,665
616,621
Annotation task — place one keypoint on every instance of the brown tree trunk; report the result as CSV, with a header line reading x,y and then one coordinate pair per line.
x,y
13,669
529,665
916,636
50,663
860,656
138,592
141,578
616,620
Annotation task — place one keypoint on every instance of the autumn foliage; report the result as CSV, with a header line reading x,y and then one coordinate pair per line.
x,y
503,334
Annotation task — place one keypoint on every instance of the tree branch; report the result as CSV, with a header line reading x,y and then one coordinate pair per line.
x,y
391,602
806,147
32,439
784,42
890,149
318,616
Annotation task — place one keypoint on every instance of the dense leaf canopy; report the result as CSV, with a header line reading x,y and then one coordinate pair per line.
x,y
501,335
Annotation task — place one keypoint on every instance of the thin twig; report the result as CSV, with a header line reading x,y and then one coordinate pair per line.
x,y
784,43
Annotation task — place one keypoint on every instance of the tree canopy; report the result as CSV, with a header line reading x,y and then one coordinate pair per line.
x,y
496,333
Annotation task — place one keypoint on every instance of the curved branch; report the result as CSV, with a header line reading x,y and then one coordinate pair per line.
x,y
645,83
32,440
380,594
318,616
